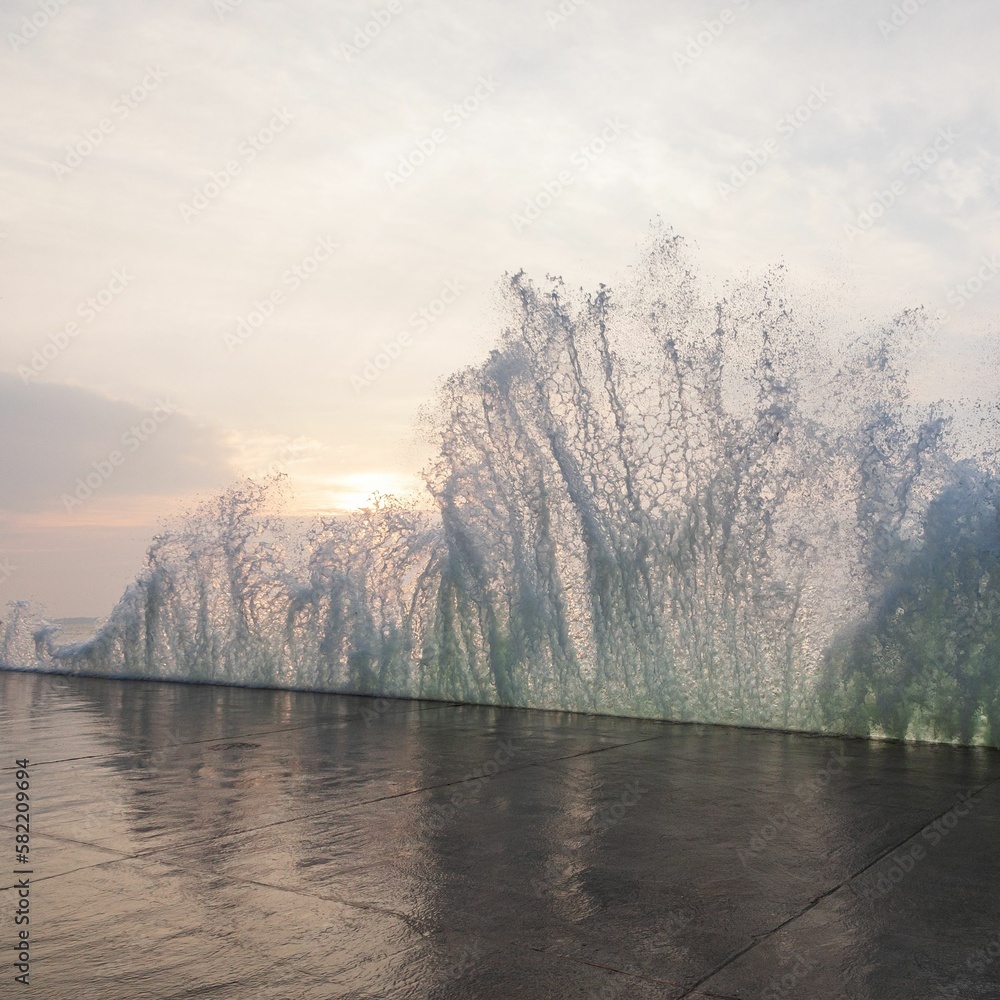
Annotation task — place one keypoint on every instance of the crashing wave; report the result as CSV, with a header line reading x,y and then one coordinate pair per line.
x,y
655,503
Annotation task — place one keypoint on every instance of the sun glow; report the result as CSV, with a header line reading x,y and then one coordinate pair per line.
x,y
355,491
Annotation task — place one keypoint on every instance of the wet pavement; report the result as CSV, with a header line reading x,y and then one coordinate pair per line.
x,y
200,841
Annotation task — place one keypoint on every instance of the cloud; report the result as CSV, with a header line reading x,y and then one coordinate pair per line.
x,y
285,398
52,436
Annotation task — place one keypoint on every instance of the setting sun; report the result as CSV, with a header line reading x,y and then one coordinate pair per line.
x,y
354,491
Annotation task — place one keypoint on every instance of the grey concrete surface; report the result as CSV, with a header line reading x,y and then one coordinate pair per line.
x,y
201,841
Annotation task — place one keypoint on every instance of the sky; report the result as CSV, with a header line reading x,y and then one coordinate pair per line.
x,y
240,236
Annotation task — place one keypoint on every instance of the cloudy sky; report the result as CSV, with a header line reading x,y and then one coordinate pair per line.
x,y
215,214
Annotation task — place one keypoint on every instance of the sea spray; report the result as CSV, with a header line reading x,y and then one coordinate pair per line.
x,y
656,501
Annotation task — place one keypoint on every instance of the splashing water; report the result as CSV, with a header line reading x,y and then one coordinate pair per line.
x,y
652,504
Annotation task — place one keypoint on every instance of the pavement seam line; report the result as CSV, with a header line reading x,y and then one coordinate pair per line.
x,y
759,938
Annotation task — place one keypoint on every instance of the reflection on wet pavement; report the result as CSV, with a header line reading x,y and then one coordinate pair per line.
x,y
207,841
